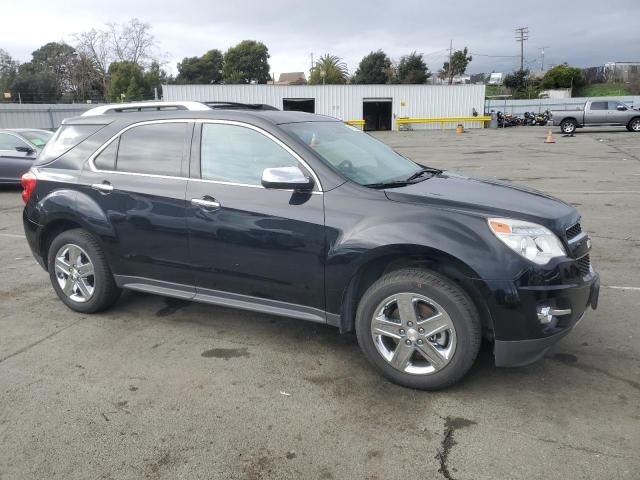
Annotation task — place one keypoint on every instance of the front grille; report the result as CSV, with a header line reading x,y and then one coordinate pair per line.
x,y
584,264
574,231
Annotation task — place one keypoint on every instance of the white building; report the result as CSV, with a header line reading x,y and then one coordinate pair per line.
x,y
377,105
495,78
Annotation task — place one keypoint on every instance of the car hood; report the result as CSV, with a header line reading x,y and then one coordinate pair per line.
x,y
487,197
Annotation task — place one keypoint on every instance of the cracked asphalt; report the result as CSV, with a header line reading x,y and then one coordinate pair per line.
x,y
163,389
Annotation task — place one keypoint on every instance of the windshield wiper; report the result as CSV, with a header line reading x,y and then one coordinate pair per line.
x,y
422,171
394,183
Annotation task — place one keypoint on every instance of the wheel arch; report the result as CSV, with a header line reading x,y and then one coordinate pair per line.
x,y
64,210
385,260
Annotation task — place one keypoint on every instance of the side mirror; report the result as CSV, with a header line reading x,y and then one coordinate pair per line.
x,y
622,108
27,150
286,178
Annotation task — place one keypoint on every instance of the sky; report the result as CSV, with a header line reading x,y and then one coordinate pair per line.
x,y
581,32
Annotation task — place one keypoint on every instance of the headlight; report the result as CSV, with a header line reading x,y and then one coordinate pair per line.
x,y
534,242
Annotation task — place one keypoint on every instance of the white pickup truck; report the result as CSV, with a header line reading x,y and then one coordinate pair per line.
x,y
597,113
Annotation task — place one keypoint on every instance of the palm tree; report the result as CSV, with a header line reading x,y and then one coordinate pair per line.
x,y
329,69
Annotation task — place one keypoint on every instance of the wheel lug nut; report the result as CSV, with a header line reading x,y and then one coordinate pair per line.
x,y
402,331
421,330
408,342
410,324
420,342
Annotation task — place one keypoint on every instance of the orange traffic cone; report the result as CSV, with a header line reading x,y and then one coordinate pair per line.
x,y
549,138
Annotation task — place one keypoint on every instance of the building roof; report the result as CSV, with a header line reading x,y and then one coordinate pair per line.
x,y
291,78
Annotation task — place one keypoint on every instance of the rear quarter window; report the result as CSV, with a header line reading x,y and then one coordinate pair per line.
x,y
65,138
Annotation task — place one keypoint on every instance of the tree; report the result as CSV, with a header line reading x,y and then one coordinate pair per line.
x,y
95,45
205,69
562,76
8,72
517,80
58,60
34,85
125,78
86,80
329,70
373,69
247,62
154,78
459,62
412,69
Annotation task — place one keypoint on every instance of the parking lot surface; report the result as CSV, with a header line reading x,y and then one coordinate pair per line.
x,y
159,388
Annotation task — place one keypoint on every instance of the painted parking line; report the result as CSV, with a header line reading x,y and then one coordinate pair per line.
x,y
11,235
613,287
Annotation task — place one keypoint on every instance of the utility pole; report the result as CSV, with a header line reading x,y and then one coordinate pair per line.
x,y
450,57
542,54
522,34
311,63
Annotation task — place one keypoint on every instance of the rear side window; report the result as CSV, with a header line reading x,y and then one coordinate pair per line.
x,y
107,158
67,137
10,142
155,149
599,106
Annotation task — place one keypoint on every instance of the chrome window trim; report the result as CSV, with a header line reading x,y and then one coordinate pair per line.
x,y
93,168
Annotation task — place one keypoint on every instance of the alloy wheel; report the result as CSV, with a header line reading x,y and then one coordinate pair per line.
x,y
75,273
413,333
635,125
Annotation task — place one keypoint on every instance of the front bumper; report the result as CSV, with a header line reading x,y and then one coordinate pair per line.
x,y
520,337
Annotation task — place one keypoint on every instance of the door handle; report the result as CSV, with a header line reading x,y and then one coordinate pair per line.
x,y
105,187
205,202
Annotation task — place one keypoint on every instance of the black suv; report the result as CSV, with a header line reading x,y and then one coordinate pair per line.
x,y
300,215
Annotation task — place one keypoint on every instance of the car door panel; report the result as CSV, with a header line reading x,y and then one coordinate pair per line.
x,y
266,244
148,214
259,242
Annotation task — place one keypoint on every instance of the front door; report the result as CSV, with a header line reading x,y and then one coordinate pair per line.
x,y
140,180
615,116
250,244
14,163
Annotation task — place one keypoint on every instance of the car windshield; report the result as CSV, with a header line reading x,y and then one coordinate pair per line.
x,y
355,154
39,138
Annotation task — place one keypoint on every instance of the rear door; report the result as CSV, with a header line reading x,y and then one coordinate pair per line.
x,y
13,164
248,243
597,113
140,179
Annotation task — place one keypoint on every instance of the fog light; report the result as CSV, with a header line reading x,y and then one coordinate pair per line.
x,y
546,314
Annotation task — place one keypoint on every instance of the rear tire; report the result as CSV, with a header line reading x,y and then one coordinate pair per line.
x,y
568,126
79,272
395,324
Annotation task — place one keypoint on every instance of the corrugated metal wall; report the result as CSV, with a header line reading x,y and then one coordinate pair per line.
x,y
46,116
518,107
345,101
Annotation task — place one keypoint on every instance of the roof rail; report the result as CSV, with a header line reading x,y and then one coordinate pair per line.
x,y
145,107
239,106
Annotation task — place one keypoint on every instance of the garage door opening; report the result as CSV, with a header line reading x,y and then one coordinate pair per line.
x,y
376,113
299,104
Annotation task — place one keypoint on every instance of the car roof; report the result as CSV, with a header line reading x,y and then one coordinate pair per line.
x,y
275,117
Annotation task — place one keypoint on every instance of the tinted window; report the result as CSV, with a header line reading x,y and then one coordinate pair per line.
x,y
235,154
107,158
153,149
9,142
38,137
599,106
614,105
65,138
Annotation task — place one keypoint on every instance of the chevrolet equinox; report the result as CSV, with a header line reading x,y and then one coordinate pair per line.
x,y
300,215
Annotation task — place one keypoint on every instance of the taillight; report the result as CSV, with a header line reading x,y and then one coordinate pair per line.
x,y
28,182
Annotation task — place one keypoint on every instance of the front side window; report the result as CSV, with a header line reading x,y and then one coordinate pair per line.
x,y
353,153
155,149
615,105
236,154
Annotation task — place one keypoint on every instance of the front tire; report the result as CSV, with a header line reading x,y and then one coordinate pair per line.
x,y
568,126
418,328
79,272
634,125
